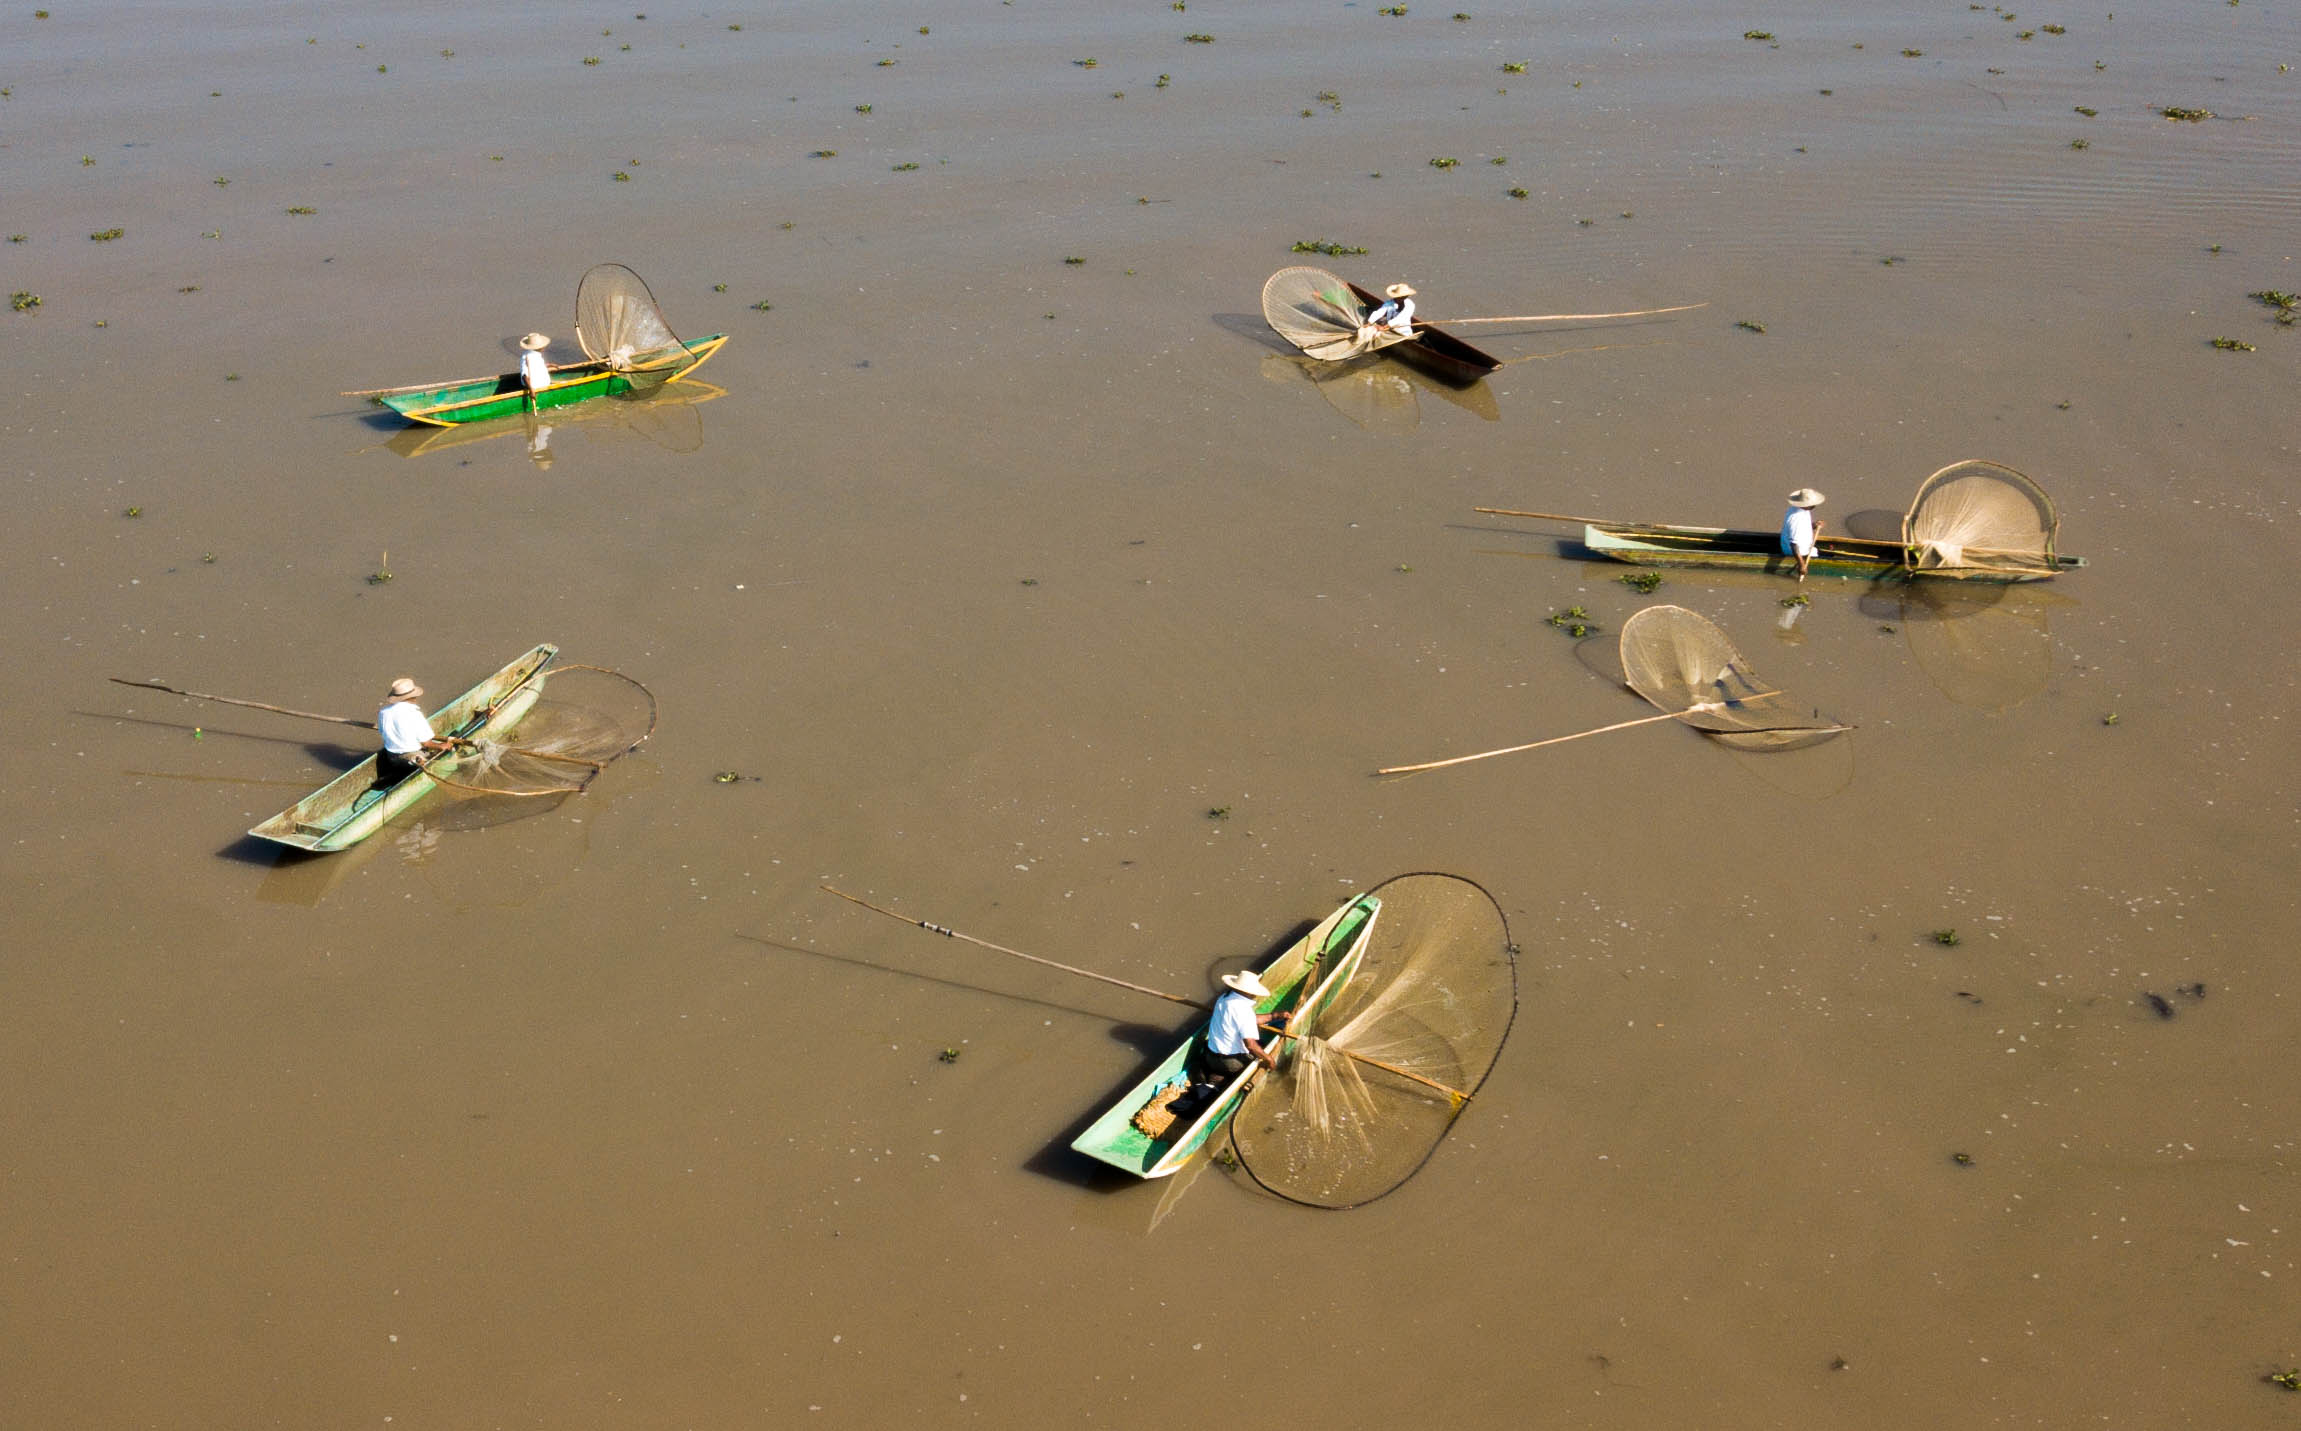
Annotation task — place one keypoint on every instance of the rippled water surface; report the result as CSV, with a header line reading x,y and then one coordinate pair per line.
x,y
995,573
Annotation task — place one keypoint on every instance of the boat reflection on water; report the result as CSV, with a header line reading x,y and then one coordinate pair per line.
x,y
1377,391
667,418
1986,646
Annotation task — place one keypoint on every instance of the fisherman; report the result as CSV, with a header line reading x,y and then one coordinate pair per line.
x,y
408,739
534,372
1397,314
1800,527
1233,1034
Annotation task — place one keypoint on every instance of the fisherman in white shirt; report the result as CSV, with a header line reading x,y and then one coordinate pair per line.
x,y
408,739
534,372
1234,1035
1799,527
1397,314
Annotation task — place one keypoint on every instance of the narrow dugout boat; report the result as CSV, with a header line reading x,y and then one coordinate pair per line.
x,y
1434,350
1304,980
1666,546
627,345
335,817
1970,521
484,399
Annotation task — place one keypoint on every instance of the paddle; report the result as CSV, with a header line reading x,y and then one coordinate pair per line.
x,y
950,933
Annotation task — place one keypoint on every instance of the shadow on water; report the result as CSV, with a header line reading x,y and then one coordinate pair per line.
x,y
944,981
1256,327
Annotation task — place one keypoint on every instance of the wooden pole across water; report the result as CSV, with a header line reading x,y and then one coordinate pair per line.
x,y
949,933
1557,317
236,701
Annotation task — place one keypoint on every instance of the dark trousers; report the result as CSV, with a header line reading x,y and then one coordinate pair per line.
x,y
391,769
1212,1067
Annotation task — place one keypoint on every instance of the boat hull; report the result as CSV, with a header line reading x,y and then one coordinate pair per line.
x,y
485,399
1436,351
1307,978
1743,550
333,816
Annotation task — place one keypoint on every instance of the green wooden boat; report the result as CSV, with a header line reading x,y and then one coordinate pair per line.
x,y
483,399
1305,979
1666,546
336,816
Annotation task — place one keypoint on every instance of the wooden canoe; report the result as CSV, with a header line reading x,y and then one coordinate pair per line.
x,y
1667,546
1305,979
481,399
335,817
1436,351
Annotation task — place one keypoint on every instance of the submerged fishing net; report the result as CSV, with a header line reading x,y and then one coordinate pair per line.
x,y
1433,998
618,324
1980,516
1318,313
1684,664
1981,644
584,719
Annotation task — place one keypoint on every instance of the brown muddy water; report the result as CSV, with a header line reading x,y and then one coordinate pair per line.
x,y
1001,572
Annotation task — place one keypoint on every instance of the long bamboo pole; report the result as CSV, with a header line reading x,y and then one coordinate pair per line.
x,y
1560,317
1700,708
950,933
1823,541
333,719
236,701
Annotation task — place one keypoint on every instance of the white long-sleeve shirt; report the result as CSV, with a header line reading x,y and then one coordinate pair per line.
x,y
404,727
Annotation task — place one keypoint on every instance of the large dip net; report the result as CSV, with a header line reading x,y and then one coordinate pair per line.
x,y
1684,665
618,323
584,719
1980,516
1363,1105
1318,313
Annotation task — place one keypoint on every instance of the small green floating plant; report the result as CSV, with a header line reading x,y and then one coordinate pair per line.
x,y
105,235
1327,247
2233,345
22,301
1642,582
2278,299
1947,938
1750,325
1575,622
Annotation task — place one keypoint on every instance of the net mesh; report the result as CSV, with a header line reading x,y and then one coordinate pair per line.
x,y
617,322
1317,312
1981,516
1433,999
1988,646
585,719
1682,663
